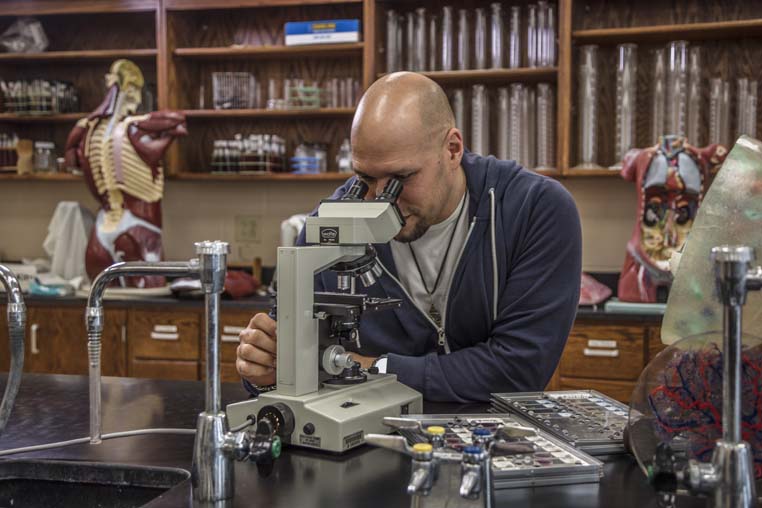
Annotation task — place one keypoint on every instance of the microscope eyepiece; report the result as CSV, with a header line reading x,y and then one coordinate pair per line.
x,y
391,191
356,192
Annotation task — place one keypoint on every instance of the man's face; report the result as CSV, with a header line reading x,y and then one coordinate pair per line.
x,y
424,180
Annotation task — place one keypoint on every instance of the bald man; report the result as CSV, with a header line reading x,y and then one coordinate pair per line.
x,y
487,265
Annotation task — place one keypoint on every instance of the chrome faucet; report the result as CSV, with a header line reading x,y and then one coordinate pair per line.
x,y
94,320
475,489
16,330
728,480
215,446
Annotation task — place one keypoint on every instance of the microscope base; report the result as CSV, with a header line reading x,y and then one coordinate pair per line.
x,y
336,419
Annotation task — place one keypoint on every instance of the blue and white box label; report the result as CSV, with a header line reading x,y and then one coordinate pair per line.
x,y
322,32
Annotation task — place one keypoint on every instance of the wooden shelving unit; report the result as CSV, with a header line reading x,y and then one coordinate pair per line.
x,y
254,52
75,56
57,118
593,173
525,75
296,114
52,7
663,33
267,177
190,5
247,35
48,177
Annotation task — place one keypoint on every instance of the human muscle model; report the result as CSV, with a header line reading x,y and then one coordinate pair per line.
x,y
120,154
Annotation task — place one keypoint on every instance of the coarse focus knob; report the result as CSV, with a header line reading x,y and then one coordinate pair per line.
x,y
214,247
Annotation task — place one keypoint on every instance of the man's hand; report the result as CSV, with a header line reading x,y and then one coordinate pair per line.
x,y
256,353
365,361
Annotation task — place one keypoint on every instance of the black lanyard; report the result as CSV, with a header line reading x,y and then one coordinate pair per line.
x,y
444,260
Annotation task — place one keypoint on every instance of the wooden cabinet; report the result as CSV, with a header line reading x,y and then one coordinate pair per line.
x,y
163,342
606,357
603,351
56,341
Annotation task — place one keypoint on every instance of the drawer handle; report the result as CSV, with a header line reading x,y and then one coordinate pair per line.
x,y
232,330
165,336
165,328
33,339
602,343
229,338
609,353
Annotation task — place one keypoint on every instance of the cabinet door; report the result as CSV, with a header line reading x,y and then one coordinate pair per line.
x,y
56,341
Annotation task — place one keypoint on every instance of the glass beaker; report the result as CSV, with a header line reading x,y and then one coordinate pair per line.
x,y
694,96
496,36
479,120
464,46
446,38
658,96
546,120
677,87
588,107
626,100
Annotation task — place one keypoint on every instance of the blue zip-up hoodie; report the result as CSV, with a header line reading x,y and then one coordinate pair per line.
x,y
512,300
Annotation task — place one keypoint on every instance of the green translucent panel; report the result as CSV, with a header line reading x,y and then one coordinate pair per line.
x,y
731,213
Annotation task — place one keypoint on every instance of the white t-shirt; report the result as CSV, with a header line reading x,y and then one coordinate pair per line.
x,y
430,251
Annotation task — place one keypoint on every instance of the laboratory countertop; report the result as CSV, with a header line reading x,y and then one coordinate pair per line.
x,y
265,302
55,407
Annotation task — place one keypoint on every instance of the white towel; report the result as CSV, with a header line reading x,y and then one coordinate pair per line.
x,y
66,243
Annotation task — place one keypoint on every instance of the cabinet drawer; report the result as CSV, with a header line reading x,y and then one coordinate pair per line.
x,y
228,374
163,369
231,324
619,390
604,352
163,335
655,345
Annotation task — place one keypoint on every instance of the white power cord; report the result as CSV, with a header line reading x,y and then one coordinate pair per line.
x,y
113,435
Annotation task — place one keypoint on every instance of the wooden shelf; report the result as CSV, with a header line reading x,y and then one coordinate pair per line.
x,y
96,54
60,118
662,33
57,177
189,5
43,7
235,177
328,50
593,173
269,113
553,173
523,74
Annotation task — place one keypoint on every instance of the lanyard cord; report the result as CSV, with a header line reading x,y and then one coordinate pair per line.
x,y
444,260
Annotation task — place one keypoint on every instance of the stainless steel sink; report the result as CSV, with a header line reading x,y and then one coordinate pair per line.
x,y
64,484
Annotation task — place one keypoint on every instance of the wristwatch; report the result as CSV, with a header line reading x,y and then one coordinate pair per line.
x,y
380,364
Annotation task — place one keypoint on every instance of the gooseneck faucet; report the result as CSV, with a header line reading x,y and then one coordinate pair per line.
x,y
16,329
215,445
728,480
94,320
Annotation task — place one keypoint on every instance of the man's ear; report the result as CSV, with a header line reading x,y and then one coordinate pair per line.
x,y
454,145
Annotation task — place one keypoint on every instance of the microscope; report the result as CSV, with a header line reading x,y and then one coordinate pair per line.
x,y
323,399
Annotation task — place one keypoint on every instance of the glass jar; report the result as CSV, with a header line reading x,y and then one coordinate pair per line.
x,y
44,156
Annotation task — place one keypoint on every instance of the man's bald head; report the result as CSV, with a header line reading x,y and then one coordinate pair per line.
x,y
401,110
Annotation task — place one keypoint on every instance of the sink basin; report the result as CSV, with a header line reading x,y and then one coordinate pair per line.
x,y
65,484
